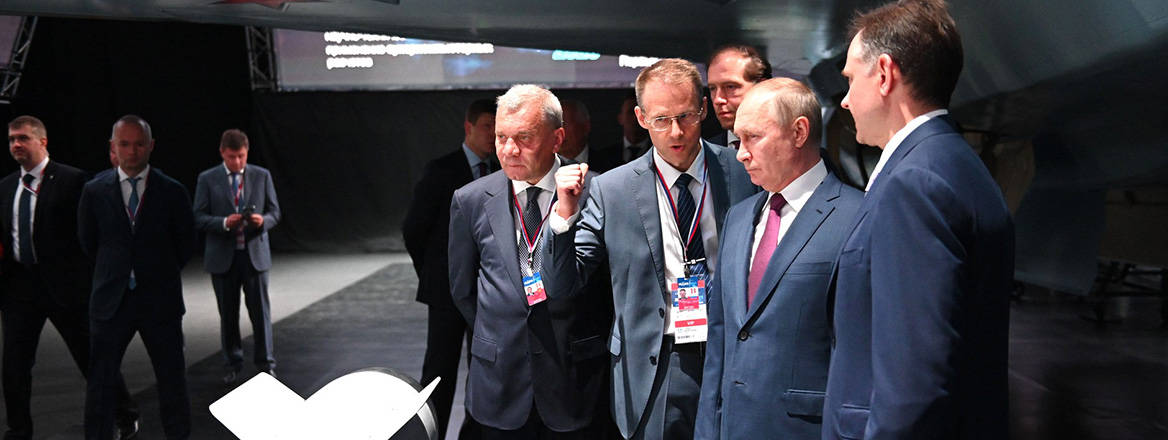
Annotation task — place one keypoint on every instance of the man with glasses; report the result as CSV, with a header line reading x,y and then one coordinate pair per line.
x,y
732,71
654,224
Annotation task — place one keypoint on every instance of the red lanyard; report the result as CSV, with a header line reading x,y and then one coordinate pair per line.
x,y
529,240
35,191
693,229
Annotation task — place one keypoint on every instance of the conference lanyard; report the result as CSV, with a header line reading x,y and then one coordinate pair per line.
x,y
529,240
685,237
35,191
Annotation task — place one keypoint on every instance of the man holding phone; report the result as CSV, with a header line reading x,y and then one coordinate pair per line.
x,y
235,205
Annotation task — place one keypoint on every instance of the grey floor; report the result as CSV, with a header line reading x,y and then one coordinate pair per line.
x,y
1069,378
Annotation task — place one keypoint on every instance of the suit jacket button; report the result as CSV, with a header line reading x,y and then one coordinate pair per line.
x,y
743,335
661,312
652,360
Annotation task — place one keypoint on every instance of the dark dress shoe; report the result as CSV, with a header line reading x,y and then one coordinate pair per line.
x,y
231,377
127,429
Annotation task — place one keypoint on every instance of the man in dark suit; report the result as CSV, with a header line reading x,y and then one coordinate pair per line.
x,y
46,276
730,73
766,367
632,223
425,232
236,205
634,139
137,225
536,360
921,286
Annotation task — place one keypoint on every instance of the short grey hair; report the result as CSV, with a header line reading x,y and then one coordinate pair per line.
x,y
133,119
521,95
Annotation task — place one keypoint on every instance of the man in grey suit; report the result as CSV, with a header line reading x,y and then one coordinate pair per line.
x,y
766,367
536,358
235,206
632,223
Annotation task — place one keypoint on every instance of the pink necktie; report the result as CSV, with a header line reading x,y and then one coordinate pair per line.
x,y
766,248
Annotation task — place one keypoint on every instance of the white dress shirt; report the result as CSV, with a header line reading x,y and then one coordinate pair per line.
x,y
670,237
38,173
730,139
899,137
519,188
796,194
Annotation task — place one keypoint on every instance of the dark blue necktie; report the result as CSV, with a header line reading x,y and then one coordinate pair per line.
x,y
685,213
25,227
133,207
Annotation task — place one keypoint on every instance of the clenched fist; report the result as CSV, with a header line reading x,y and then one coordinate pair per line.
x,y
569,186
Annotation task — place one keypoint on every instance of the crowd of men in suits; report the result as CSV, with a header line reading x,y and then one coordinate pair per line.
x,y
101,259
731,287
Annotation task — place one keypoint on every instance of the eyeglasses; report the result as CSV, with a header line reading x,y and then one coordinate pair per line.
x,y
662,123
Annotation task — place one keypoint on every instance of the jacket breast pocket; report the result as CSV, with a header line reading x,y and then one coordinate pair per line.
x,y
484,349
586,348
822,268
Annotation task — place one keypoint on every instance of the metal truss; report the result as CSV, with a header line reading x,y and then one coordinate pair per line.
x,y
261,59
10,74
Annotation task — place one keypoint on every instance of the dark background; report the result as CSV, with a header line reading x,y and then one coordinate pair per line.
x,y
344,163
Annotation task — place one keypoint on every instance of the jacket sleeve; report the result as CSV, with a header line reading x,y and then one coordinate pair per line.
x,y
577,252
183,225
87,223
271,210
204,221
463,260
918,261
420,218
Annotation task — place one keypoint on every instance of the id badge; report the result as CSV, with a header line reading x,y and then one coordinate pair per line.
x,y
689,310
533,287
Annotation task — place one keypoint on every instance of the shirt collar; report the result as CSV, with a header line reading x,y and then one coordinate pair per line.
x,y
547,183
670,174
899,137
37,171
122,176
799,190
471,158
229,169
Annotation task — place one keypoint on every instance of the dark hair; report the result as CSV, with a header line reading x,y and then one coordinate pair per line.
x,y
233,139
757,69
478,108
38,127
921,37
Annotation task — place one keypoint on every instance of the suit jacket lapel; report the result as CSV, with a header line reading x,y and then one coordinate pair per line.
x,y
644,190
740,241
114,199
719,183
498,208
817,208
45,194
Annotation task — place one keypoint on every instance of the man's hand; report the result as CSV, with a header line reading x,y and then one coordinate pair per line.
x,y
234,220
256,220
569,186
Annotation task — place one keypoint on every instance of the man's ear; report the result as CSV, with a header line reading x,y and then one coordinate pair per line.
x,y
888,74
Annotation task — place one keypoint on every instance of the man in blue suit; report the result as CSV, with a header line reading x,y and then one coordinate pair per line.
x,y
631,224
236,205
766,366
921,286
536,358
137,225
